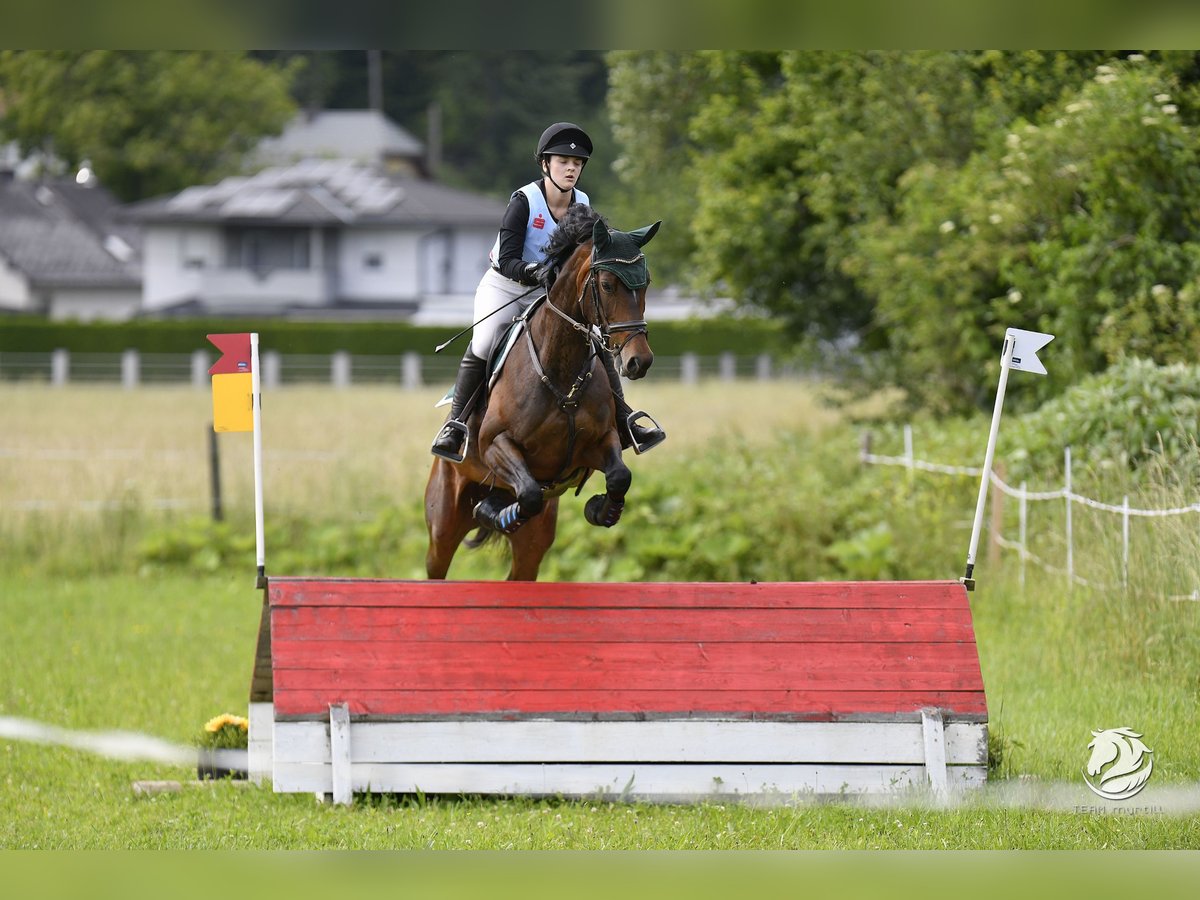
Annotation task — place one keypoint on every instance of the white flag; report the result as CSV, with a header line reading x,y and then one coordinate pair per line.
x,y
1026,345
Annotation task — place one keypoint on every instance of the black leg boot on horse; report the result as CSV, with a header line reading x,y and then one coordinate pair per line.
x,y
451,442
633,433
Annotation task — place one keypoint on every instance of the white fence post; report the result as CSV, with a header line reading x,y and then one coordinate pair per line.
x,y
60,367
411,367
130,369
728,366
271,369
200,369
1125,543
762,367
689,368
339,369
1023,531
1070,546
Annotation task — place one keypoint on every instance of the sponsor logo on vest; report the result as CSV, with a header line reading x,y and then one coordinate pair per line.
x,y
539,221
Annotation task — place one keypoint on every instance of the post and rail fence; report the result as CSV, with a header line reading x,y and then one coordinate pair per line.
x,y
411,371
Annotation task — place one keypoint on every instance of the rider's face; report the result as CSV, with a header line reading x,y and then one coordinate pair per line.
x,y
565,170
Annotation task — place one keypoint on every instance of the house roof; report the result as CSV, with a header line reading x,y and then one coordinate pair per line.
x,y
366,135
59,233
335,192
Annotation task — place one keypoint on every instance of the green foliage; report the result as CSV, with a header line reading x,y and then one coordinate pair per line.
x,y
915,204
149,122
1137,422
224,732
743,336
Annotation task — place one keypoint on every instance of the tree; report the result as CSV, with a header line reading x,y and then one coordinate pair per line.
x,y
149,122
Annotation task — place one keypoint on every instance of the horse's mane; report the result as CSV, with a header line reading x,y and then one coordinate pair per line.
x,y
574,228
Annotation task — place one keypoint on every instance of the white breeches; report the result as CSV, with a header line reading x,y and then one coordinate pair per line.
x,y
495,291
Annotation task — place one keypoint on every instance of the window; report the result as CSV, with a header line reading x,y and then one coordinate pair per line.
x,y
265,249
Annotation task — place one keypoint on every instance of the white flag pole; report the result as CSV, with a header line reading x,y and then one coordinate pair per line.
x,y
256,409
1006,355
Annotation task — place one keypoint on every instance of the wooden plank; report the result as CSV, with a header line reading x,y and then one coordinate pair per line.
x,y
656,741
611,781
593,666
936,752
636,624
259,750
836,595
339,753
260,679
787,705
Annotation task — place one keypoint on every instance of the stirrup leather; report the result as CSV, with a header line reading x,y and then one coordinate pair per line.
x,y
640,448
454,425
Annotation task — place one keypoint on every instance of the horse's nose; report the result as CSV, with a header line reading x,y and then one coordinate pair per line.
x,y
637,366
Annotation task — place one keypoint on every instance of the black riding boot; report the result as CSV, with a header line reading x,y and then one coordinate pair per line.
x,y
451,442
633,433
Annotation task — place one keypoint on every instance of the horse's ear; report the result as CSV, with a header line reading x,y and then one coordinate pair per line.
x,y
642,236
600,235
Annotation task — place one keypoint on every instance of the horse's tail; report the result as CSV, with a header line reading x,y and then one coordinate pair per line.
x,y
480,537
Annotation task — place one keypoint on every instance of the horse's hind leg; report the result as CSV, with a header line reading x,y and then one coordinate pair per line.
x,y
531,541
447,516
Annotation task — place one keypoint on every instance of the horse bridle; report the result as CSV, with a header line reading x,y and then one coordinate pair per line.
x,y
607,328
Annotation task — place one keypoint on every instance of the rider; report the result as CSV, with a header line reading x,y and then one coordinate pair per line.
x,y
531,217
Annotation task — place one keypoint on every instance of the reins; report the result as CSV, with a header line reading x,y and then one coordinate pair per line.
x,y
569,400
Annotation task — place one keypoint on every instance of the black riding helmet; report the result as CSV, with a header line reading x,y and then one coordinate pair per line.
x,y
564,139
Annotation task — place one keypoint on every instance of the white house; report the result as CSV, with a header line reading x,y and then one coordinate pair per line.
x,y
63,254
320,237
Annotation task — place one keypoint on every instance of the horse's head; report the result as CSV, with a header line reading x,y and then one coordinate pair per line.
x,y
618,277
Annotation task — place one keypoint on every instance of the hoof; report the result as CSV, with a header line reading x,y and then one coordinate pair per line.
x,y
602,511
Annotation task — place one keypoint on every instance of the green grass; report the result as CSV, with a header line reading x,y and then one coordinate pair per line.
x,y
96,637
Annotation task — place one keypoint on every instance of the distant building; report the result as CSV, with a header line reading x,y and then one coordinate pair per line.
x,y
366,136
319,237
63,251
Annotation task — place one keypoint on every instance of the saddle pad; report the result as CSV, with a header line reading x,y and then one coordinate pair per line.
x,y
497,361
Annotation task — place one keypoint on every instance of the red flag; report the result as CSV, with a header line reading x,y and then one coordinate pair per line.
x,y
236,354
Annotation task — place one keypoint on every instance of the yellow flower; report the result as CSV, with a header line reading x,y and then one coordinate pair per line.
x,y
216,723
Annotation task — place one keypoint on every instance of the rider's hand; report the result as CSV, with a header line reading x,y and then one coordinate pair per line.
x,y
529,275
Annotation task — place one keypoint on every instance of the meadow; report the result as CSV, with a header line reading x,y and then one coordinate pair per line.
x,y
126,608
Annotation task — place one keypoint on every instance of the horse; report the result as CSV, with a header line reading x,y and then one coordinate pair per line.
x,y
549,419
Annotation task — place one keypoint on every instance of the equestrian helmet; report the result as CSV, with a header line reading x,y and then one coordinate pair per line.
x,y
564,139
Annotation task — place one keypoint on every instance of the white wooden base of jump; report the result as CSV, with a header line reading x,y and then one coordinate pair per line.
x,y
425,716
679,760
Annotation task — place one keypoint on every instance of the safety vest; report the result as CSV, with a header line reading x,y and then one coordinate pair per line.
x,y
540,225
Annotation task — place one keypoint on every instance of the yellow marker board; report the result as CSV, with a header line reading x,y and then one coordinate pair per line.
x,y
233,402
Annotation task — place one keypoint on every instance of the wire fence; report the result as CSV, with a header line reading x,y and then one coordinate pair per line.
x,y
1024,496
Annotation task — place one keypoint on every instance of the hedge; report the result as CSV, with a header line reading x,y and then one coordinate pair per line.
x,y
28,334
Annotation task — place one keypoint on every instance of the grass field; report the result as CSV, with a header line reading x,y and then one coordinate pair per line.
x,y
98,645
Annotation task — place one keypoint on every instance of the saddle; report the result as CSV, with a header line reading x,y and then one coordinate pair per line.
x,y
499,356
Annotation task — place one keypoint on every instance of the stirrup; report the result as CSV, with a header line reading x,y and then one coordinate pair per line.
x,y
640,448
454,425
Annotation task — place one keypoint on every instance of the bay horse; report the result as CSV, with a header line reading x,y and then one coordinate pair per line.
x,y
549,420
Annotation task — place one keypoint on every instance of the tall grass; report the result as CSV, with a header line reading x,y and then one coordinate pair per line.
x,y
145,618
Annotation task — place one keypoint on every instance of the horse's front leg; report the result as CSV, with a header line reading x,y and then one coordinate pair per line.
x,y
505,458
605,509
